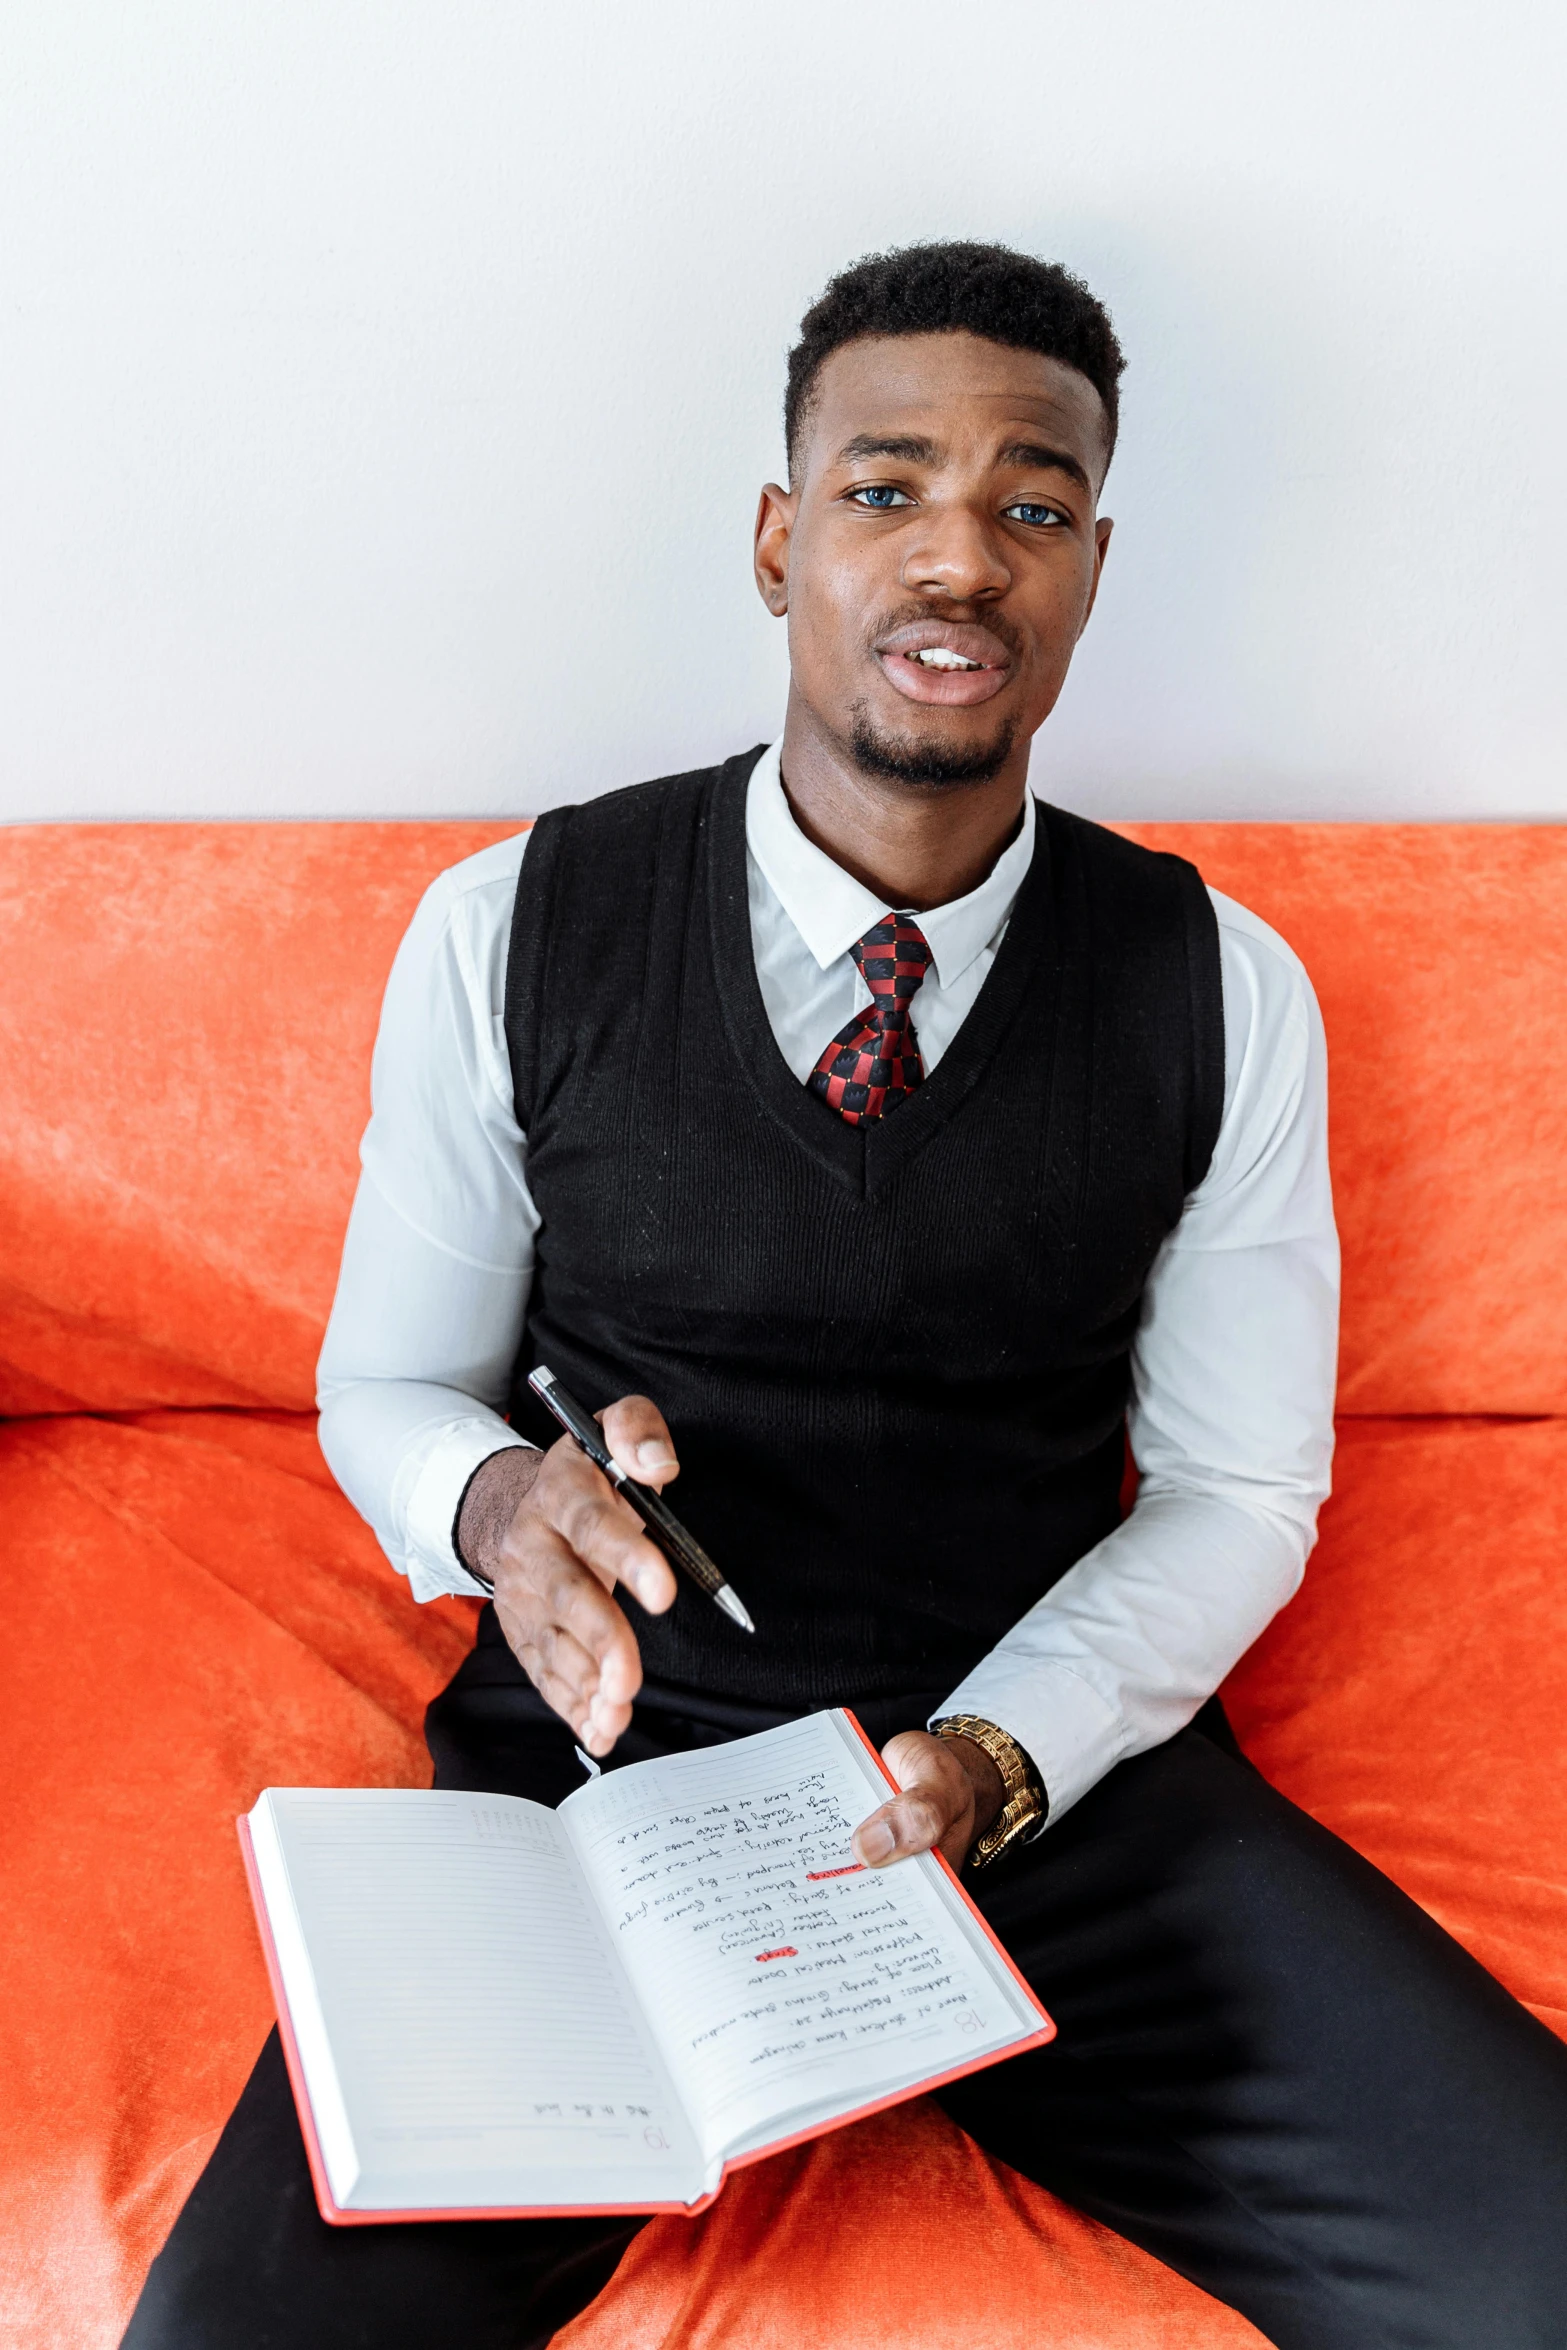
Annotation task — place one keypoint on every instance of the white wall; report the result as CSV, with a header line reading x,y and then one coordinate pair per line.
x,y
385,384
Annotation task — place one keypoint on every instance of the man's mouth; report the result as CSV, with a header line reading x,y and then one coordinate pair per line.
x,y
954,665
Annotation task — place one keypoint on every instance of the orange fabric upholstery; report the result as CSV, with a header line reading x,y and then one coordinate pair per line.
x,y
1411,1696
185,1021
1439,955
193,1610
895,2235
186,1016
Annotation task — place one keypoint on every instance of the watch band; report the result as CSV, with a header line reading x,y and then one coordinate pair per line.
x,y
1027,1807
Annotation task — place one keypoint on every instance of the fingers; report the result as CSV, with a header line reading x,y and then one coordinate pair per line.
x,y
601,1530
575,1647
564,1603
637,1436
933,1811
567,1678
570,1543
557,1610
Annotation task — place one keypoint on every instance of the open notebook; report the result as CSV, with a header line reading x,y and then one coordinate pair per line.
x,y
492,2009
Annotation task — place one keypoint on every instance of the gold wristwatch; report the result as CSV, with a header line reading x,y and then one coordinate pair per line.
x,y
1026,1808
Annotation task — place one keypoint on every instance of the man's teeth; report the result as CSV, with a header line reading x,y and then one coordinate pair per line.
x,y
940,657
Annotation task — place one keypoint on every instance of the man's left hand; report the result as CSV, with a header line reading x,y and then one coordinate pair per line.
x,y
950,1793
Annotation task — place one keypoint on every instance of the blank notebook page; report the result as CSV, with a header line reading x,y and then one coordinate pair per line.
x,y
484,2047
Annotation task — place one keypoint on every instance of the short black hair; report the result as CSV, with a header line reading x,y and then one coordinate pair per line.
x,y
958,288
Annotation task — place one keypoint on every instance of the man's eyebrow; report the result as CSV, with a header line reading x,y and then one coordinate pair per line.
x,y
914,449
907,448
1035,457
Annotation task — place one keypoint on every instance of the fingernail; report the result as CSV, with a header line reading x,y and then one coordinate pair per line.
x,y
654,1453
877,1841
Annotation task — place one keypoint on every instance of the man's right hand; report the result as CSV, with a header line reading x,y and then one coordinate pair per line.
x,y
555,1538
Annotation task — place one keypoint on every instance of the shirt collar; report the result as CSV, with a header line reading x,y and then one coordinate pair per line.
x,y
830,909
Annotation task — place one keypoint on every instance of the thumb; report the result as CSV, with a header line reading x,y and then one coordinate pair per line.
x,y
638,1437
915,1820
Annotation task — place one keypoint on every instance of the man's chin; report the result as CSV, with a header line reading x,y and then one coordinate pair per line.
x,y
927,760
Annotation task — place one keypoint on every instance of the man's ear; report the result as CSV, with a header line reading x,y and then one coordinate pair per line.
x,y
774,523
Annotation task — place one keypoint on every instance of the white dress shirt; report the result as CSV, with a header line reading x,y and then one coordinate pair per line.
x,y
1231,1420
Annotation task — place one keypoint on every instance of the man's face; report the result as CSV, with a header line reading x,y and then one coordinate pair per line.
x,y
938,552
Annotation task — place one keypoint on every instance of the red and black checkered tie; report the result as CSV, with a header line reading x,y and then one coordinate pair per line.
x,y
873,1062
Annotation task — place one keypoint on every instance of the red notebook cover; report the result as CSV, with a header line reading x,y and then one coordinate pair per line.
x,y
335,2214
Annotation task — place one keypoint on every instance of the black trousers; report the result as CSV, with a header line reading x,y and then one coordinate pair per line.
x,y
1273,2071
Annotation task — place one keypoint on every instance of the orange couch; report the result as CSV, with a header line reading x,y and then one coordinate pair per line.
x,y
192,1611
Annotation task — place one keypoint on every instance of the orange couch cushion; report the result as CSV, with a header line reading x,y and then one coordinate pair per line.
x,y
186,1017
201,1613
1410,1696
1439,955
895,2235
186,1014
195,1611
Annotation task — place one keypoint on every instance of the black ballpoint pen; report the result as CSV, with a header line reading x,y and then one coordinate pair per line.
x,y
660,1521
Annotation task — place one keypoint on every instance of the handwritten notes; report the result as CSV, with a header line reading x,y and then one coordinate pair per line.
x,y
778,1971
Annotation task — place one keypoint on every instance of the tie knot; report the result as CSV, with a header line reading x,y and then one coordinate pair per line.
x,y
894,958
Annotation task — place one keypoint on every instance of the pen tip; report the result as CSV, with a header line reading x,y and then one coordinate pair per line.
x,y
734,1608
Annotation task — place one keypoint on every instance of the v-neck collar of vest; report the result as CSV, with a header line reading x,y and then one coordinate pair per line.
x,y
864,1158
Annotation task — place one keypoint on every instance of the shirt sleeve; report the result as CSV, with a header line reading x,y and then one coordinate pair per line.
x,y
1231,1420
438,1258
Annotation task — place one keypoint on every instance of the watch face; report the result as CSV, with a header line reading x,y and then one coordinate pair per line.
x,y
997,1836
1005,1830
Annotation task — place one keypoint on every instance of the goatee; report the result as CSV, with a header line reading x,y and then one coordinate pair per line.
x,y
927,766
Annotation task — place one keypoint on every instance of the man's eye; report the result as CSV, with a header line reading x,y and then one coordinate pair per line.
x,y
1031,511
880,497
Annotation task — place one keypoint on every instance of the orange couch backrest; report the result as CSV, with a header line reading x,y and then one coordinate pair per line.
x,y
186,1015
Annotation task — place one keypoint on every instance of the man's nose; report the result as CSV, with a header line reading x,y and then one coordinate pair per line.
x,y
957,554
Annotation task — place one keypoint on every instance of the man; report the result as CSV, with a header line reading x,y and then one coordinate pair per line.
x,y
880,1149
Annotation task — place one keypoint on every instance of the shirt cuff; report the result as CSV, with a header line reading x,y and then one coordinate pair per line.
x,y
1071,1734
439,1483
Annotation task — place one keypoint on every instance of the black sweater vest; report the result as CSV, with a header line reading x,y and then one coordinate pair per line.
x,y
894,1358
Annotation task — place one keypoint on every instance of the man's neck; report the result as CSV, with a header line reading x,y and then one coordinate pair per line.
x,y
911,846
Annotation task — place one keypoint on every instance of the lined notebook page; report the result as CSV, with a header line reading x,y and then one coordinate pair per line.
x,y
466,2032
780,1978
